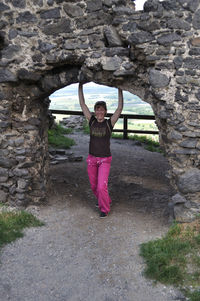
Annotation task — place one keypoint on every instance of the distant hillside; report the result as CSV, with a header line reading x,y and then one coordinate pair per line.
x,y
67,99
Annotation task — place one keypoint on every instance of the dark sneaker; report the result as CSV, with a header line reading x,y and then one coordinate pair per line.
x,y
103,214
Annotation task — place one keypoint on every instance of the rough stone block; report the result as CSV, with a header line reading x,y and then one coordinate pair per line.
x,y
3,7
53,13
20,172
183,215
140,37
112,36
196,20
178,199
178,24
158,79
63,26
94,5
108,2
12,34
119,51
191,63
7,76
194,51
178,61
3,196
189,181
22,184
151,26
73,10
38,2
111,64
168,39
26,17
189,143
150,6
7,163
174,135
45,47
130,26
10,51
19,3
28,76
93,20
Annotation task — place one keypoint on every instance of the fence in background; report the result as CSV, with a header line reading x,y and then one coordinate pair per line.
x,y
125,117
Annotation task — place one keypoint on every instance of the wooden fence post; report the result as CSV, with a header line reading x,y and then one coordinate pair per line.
x,y
125,134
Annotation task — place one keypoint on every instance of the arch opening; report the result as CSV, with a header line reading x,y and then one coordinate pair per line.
x,y
139,184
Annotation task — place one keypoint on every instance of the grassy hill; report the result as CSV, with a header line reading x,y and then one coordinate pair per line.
x,y
67,99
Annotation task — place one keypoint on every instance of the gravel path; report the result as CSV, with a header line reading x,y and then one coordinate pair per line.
x,y
77,256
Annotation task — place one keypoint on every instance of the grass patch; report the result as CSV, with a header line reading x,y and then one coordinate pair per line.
x,y
57,137
12,223
147,142
193,296
175,258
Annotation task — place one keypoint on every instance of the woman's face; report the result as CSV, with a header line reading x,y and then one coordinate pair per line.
x,y
100,113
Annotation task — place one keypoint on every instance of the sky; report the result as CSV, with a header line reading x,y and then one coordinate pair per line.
x,y
139,4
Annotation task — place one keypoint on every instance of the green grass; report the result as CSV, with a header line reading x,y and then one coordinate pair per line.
x,y
12,224
57,137
147,142
193,296
175,258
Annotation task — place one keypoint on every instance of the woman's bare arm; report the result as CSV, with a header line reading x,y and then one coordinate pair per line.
x,y
119,109
84,107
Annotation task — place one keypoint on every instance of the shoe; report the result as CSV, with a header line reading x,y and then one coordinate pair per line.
x,y
103,215
97,205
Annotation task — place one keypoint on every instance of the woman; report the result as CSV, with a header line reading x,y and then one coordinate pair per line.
x,y
99,158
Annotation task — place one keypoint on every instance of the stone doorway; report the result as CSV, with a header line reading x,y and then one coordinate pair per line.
x,y
152,53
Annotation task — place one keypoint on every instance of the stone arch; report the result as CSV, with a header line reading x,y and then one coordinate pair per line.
x,y
152,53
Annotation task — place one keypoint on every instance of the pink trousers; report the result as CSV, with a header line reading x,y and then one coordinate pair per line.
x,y
98,171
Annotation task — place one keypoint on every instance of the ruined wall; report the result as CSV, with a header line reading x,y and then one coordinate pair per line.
x,y
48,44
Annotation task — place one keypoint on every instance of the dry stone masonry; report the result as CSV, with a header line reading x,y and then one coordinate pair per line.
x,y
48,44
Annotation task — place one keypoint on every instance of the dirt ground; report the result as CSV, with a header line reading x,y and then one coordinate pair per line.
x,y
77,256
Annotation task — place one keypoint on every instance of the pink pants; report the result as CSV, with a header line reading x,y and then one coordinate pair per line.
x,y
98,171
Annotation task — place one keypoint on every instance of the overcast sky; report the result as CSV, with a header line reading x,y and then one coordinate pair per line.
x,y
139,4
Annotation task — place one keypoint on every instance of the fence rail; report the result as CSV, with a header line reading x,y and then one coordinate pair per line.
x,y
125,117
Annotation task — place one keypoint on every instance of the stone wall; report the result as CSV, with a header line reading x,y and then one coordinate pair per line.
x,y
48,44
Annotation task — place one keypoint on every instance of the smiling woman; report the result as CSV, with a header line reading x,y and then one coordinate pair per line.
x,y
99,158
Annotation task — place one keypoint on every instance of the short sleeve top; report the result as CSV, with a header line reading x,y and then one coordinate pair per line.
x,y
100,133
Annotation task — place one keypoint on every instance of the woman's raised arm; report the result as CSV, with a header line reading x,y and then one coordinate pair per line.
x,y
119,109
84,107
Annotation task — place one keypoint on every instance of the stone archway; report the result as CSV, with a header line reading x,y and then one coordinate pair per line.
x,y
152,53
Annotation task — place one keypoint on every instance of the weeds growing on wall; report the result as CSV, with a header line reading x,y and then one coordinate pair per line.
x,y
57,137
13,222
175,259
